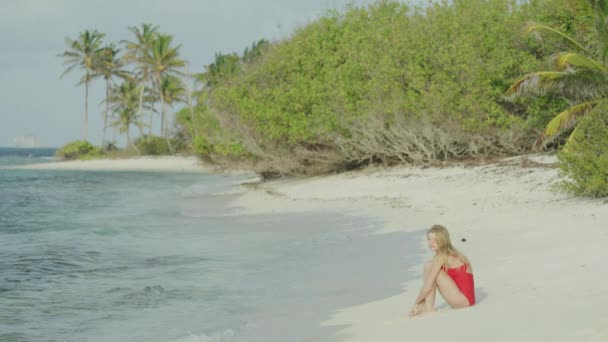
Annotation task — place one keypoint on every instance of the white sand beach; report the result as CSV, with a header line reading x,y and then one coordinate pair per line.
x,y
147,163
539,257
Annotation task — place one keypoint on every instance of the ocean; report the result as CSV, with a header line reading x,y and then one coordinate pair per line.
x,y
164,256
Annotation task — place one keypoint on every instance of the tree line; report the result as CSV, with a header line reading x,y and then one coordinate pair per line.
x,y
144,77
385,83
138,75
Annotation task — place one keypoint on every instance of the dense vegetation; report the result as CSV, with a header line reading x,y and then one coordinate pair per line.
x,y
79,149
585,159
387,83
580,75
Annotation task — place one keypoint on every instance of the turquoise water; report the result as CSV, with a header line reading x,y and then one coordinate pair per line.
x,y
160,256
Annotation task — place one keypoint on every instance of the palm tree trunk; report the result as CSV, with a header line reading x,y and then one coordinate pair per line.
x,y
163,129
141,134
86,108
105,115
169,144
151,79
151,122
141,101
162,110
153,103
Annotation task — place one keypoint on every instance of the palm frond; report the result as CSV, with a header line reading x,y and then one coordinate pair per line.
x,y
84,79
70,54
68,70
574,84
566,60
530,80
581,75
564,121
84,52
543,28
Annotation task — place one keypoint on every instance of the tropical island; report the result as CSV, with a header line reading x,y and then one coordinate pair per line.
x,y
468,113
387,84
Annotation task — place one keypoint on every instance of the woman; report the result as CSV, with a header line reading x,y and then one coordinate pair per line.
x,y
450,272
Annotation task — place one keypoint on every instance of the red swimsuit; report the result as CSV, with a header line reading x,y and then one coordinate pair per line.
x,y
464,281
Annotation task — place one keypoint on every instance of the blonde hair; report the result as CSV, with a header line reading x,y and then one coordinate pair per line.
x,y
445,247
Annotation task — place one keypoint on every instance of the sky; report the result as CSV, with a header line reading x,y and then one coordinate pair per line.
x,y
35,100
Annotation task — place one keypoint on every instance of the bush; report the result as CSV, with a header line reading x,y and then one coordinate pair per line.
x,y
585,160
386,83
201,146
79,149
152,145
358,87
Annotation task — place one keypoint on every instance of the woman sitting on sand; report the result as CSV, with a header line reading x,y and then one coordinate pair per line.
x,y
449,271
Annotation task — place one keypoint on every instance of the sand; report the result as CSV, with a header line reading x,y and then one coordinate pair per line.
x,y
162,163
539,256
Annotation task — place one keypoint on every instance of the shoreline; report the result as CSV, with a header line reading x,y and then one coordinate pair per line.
x,y
537,255
144,163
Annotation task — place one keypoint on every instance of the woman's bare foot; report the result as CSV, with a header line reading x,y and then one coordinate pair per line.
x,y
416,310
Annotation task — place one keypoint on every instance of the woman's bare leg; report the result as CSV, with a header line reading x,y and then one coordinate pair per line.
x,y
450,291
429,301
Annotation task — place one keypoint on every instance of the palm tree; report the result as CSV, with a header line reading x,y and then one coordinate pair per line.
x,y
124,106
173,90
84,53
136,53
163,59
581,76
109,66
256,50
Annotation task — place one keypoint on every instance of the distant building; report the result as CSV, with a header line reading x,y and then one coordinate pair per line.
x,y
26,141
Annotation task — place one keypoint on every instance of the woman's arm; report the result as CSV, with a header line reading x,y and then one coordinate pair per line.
x,y
429,281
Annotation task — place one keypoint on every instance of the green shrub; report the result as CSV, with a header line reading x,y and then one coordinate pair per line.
x,y
225,149
231,150
201,146
357,86
152,145
388,82
585,161
79,149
